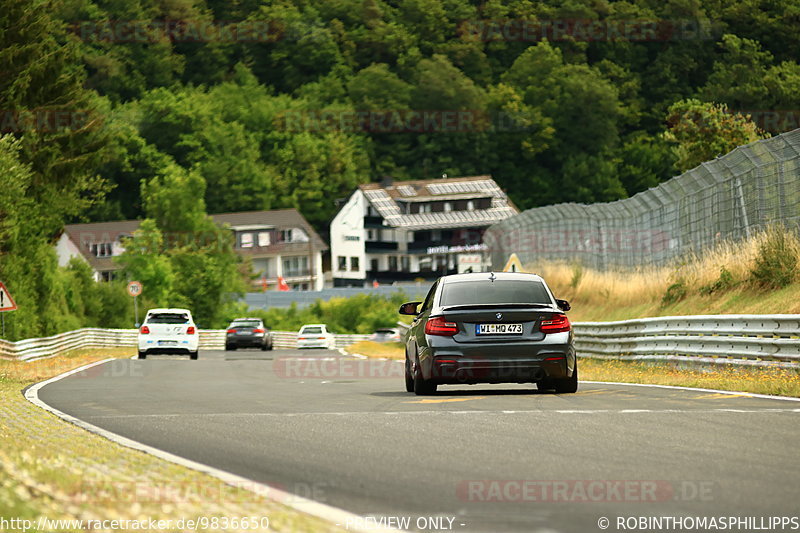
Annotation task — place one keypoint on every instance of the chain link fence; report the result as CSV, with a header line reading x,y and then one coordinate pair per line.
x,y
725,199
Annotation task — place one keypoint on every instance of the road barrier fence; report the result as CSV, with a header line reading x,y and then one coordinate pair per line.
x,y
210,339
729,198
744,340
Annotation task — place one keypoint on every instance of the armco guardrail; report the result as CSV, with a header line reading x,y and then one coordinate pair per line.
x,y
213,339
756,340
750,340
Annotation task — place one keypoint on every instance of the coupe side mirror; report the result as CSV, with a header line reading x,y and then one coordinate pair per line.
x,y
409,308
563,305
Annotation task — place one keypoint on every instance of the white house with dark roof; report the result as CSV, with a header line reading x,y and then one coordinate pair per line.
x,y
280,244
400,231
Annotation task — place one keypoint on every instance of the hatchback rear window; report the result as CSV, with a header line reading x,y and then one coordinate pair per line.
x,y
311,330
495,292
167,318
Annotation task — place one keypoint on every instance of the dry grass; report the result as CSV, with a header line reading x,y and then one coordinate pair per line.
x,y
388,350
761,381
698,283
53,469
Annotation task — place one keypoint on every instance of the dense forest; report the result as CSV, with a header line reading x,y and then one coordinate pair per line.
x,y
171,109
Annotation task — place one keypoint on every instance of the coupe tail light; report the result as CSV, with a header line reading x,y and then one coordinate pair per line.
x,y
190,330
258,330
555,324
144,330
440,326
231,331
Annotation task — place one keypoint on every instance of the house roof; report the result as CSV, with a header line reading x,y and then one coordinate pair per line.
x,y
112,232
387,199
277,218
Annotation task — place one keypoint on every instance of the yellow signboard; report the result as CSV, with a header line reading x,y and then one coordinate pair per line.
x,y
513,264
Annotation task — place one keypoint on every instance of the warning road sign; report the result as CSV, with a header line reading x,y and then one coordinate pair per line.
x,y
513,264
6,301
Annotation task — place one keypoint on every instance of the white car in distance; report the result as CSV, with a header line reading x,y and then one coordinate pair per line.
x,y
315,336
168,331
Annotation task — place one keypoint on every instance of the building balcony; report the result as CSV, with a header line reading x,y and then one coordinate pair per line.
x,y
373,247
389,276
421,247
373,222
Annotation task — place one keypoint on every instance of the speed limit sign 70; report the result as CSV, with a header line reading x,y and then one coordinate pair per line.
x,y
134,288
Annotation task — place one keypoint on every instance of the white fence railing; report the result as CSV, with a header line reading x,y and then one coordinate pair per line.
x,y
210,339
751,340
727,339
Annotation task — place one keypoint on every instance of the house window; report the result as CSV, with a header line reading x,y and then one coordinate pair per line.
x,y
295,266
470,205
370,234
373,265
104,249
425,208
393,263
354,264
264,239
342,263
425,263
293,235
405,263
448,207
246,240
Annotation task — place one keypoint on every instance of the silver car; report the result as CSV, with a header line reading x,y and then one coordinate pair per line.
x,y
490,327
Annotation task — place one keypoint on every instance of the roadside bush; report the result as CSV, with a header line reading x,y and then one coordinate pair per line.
x,y
675,293
776,264
362,313
723,283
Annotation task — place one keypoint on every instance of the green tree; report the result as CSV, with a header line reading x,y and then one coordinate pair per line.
x,y
702,131
145,260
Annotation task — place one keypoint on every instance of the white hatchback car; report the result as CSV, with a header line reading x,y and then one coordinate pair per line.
x,y
168,331
315,336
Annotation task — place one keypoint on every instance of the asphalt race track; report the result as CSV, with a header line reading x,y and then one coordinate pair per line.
x,y
491,458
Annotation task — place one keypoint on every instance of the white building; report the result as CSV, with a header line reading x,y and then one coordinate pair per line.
x,y
279,243
406,230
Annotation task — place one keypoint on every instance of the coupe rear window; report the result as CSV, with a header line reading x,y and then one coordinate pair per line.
x,y
312,330
246,324
168,318
494,292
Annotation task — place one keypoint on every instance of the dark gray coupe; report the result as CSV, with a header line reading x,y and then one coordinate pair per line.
x,y
490,327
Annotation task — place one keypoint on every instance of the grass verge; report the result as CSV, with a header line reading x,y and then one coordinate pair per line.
x,y
388,350
757,276
776,381
53,469
756,380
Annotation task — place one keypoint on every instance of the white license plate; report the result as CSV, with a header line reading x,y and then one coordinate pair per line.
x,y
498,329
167,343
244,332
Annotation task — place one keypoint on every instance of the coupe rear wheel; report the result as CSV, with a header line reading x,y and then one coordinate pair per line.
x,y
569,385
423,386
193,356
142,355
409,377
